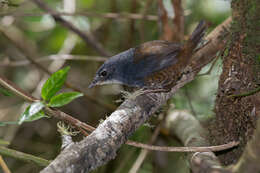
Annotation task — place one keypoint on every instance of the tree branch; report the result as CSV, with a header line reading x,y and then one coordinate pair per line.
x,y
23,156
4,166
56,57
120,16
88,38
183,125
144,152
178,21
144,14
101,145
167,32
188,149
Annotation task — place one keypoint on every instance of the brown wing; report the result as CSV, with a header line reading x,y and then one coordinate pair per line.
x,y
154,56
168,76
164,78
155,49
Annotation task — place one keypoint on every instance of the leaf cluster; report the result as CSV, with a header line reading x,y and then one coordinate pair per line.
x,y
50,98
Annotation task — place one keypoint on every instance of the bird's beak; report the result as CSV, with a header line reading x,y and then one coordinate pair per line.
x,y
93,83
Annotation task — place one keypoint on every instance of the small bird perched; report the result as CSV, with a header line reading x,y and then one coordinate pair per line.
x,y
155,65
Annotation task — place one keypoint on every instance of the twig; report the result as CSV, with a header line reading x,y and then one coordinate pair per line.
x,y
105,27
88,38
67,118
178,21
185,149
144,15
246,94
16,90
57,57
4,166
130,35
118,16
23,156
56,113
144,152
167,33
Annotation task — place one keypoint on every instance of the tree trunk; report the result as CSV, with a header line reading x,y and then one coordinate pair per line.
x,y
236,116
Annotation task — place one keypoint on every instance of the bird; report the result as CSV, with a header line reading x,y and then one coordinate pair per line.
x,y
153,66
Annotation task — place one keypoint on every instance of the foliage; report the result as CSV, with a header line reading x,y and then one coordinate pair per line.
x,y
32,112
53,84
63,99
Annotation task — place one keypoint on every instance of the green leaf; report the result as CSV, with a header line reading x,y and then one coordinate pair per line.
x,y
32,113
54,83
5,92
63,99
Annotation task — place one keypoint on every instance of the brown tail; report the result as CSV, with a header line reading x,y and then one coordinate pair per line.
x,y
197,35
192,43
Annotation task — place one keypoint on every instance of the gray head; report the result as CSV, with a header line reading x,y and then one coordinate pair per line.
x,y
111,72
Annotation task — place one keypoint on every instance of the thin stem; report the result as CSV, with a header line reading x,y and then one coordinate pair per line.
x,y
4,166
16,90
246,94
88,38
140,159
178,21
120,16
167,32
144,15
23,156
184,149
53,57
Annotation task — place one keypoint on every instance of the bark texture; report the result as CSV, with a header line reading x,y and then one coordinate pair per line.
x,y
236,116
249,162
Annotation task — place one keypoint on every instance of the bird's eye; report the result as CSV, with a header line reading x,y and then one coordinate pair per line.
x,y
103,73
